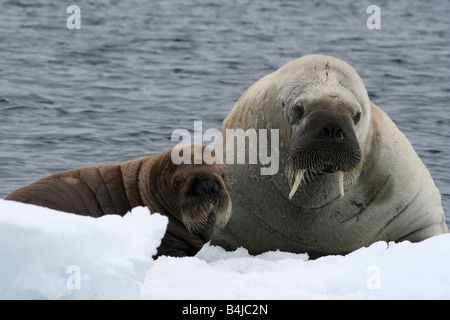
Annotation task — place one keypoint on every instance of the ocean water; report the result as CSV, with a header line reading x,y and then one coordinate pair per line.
x,y
137,70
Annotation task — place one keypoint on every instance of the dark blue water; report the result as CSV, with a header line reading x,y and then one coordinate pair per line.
x,y
137,70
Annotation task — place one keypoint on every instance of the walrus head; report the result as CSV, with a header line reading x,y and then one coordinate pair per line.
x,y
203,199
192,192
322,110
327,110
323,140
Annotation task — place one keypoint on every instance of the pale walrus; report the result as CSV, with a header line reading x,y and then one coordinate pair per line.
x,y
193,196
350,177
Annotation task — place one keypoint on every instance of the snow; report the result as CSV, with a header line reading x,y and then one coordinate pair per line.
x,y
45,254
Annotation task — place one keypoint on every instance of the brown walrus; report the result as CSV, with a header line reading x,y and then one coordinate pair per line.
x,y
193,196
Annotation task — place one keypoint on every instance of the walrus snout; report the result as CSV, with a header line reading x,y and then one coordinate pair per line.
x,y
332,131
325,143
206,187
330,126
204,201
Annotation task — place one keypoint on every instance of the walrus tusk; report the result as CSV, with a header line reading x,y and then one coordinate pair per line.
x,y
341,182
297,182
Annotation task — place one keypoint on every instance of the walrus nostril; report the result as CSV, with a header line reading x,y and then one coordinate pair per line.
x,y
326,132
206,187
330,132
339,134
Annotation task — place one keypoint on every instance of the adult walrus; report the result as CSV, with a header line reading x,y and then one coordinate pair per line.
x,y
349,178
193,196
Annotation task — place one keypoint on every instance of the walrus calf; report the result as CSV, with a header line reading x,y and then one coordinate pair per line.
x,y
350,177
193,196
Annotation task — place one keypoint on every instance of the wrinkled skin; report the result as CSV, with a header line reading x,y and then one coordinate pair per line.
x,y
349,176
193,196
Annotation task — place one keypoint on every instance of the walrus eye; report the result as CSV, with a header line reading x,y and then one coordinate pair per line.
x,y
357,117
177,183
298,111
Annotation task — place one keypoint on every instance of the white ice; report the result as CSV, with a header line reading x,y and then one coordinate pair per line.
x,y
45,254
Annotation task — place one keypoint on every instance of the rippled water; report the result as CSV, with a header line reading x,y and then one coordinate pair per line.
x,y
137,70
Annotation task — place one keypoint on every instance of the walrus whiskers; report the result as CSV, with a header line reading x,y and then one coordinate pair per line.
x,y
194,215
